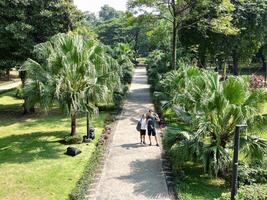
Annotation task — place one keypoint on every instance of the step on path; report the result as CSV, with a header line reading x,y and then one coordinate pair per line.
x,y
132,171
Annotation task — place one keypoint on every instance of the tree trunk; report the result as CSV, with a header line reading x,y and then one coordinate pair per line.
x,y
73,124
220,63
201,60
263,60
235,63
174,35
136,38
26,108
174,43
22,75
8,74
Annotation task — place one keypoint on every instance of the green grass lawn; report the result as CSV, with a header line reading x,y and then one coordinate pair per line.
x,y
32,161
197,186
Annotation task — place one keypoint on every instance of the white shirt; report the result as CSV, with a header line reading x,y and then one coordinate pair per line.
x,y
143,124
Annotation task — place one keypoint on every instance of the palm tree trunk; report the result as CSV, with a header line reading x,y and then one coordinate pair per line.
x,y
235,63
73,124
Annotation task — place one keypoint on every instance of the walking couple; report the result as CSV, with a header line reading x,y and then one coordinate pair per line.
x,y
148,122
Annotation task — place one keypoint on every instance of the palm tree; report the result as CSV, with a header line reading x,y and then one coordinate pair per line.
x,y
66,73
209,110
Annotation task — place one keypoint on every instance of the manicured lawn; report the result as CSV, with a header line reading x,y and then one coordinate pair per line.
x,y
32,161
197,186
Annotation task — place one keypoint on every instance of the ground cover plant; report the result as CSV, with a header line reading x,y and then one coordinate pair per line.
x,y
32,161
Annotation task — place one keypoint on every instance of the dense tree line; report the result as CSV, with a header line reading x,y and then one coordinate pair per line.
x,y
25,23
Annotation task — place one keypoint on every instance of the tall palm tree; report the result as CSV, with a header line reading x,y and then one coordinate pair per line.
x,y
65,72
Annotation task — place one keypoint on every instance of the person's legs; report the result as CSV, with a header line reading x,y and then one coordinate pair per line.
x,y
144,138
149,136
141,137
156,140
155,135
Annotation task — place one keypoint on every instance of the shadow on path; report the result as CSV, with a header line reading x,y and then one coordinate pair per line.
x,y
144,177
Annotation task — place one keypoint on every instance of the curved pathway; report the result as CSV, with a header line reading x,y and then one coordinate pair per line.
x,y
133,171
10,86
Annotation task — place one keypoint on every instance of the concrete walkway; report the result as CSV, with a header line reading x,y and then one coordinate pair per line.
x,y
133,171
10,86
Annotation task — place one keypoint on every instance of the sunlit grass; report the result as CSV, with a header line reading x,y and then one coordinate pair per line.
x,y
33,164
197,186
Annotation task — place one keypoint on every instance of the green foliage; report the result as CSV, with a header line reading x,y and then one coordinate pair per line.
x,y
248,192
42,165
81,189
76,139
208,113
28,23
248,175
158,63
75,72
108,13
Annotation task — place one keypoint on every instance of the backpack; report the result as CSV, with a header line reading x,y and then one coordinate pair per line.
x,y
150,124
138,126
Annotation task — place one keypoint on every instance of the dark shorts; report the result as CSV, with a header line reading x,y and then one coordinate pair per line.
x,y
151,132
143,132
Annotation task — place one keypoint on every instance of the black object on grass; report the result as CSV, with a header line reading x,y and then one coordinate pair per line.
x,y
73,151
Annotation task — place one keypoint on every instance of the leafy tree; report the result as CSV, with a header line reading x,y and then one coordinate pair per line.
x,y
198,12
108,13
25,23
250,19
70,71
90,18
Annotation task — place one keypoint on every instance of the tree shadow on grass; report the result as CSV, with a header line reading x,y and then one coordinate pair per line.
x,y
29,147
199,186
147,177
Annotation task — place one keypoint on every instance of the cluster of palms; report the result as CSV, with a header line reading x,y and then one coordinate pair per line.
x,y
207,111
75,71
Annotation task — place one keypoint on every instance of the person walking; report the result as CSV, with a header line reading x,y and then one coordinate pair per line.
x,y
151,126
143,122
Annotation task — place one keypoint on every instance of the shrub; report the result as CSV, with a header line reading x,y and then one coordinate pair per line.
x,y
127,76
19,92
207,111
249,175
77,139
118,98
248,192
256,81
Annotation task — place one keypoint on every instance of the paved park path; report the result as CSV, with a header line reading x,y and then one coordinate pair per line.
x,y
133,171
9,86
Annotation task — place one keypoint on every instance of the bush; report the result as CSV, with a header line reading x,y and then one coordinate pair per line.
x,y
77,139
127,76
19,92
256,81
81,189
248,175
118,98
248,192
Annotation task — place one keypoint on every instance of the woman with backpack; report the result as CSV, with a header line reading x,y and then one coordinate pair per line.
x,y
143,125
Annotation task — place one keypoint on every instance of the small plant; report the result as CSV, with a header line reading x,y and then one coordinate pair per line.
x,y
248,192
76,139
256,81
249,175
